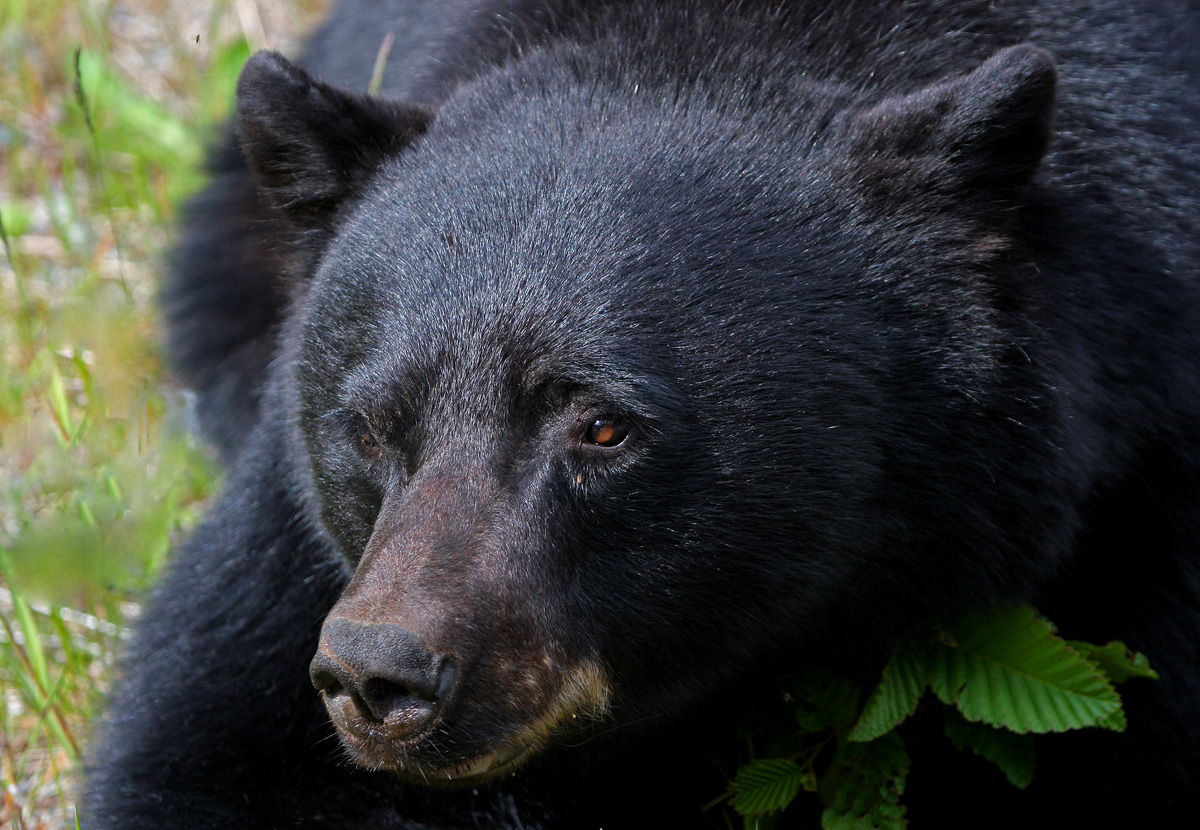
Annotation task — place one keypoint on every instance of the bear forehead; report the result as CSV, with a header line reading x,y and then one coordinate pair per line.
x,y
530,230
609,175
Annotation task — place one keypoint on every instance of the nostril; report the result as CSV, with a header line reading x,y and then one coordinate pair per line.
x,y
324,681
385,697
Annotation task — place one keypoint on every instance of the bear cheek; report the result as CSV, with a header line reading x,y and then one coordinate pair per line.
x,y
437,661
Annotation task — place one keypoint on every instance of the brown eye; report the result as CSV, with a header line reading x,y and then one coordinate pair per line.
x,y
368,446
606,432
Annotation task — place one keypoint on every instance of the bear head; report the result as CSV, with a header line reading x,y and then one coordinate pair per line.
x,y
609,389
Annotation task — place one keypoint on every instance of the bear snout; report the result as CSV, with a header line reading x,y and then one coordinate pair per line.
x,y
379,679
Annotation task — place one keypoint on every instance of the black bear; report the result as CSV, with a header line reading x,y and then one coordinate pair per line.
x,y
618,357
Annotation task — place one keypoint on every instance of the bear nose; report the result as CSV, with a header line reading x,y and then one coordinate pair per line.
x,y
381,673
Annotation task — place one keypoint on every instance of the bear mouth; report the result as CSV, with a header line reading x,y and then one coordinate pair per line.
x,y
486,767
422,761
439,755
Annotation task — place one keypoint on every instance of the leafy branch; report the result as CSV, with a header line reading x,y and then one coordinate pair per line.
x,y
1004,674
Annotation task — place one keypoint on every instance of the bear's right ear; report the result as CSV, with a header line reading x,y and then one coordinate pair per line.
x,y
976,140
311,146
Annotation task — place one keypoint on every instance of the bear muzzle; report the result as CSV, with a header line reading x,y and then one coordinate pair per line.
x,y
430,717
379,680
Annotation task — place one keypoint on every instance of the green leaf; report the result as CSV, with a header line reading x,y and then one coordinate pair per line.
x,y
825,700
882,817
864,783
897,695
1012,753
1004,667
768,786
1116,660
1114,721
132,114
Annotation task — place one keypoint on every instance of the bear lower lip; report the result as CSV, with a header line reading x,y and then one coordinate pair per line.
x,y
482,768
409,764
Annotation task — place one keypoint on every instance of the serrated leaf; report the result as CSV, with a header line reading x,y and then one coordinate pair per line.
x,y
864,783
768,786
883,817
1012,753
897,695
1116,660
1114,721
1004,667
825,700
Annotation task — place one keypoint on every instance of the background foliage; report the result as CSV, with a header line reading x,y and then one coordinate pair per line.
x,y
105,107
1002,673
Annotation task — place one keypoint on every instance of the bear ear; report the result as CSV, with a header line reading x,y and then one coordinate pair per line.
x,y
978,138
310,145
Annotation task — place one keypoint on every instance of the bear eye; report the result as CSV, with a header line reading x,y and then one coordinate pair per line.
x,y
606,432
368,445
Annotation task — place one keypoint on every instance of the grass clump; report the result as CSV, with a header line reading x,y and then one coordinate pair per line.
x,y
105,107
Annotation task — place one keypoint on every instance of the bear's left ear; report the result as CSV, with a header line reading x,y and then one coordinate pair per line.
x,y
976,139
311,146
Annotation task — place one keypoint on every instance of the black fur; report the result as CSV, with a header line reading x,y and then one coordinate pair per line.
x,y
898,303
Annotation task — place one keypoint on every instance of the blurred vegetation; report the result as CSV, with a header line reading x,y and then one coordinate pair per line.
x,y
105,107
